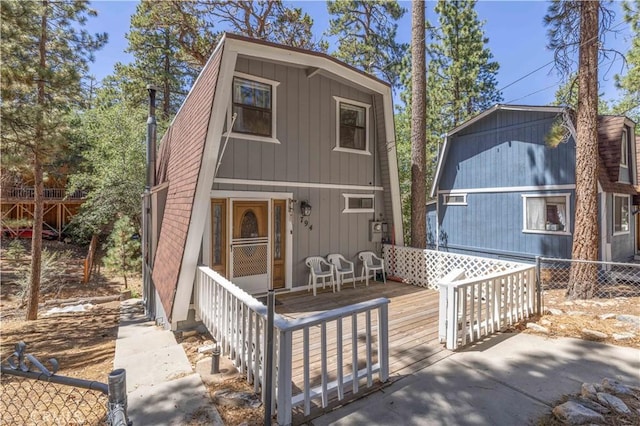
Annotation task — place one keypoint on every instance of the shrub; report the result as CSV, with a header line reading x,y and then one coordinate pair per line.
x,y
123,249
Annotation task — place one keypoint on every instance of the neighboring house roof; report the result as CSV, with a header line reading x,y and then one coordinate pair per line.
x,y
193,140
609,133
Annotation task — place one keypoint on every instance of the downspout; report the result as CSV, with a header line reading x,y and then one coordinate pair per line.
x,y
148,287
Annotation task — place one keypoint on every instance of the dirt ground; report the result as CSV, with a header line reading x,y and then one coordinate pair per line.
x,y
594,314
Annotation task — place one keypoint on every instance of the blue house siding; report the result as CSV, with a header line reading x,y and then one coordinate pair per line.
x,y
486,154
492,224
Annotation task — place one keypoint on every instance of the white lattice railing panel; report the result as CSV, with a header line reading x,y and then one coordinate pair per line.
x,y
426,268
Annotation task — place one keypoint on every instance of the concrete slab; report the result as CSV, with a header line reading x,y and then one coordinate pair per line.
x,y
177,402
135,339
154,366
509,379
161,385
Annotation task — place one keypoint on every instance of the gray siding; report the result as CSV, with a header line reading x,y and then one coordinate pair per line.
x,y
622,246
306,129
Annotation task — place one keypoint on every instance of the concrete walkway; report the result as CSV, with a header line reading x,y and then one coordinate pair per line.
x,y
162,387
510,379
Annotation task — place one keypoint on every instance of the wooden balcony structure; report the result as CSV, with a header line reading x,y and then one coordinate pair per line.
x,y
59,207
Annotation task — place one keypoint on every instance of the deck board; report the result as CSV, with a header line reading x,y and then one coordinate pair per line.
x,y
413,332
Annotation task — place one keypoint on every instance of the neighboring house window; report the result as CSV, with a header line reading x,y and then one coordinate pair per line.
x,y
620,214
624,149
253,101
546,214
358,203
455,199
353,127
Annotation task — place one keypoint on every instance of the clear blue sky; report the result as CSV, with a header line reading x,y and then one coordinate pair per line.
x,y
517,39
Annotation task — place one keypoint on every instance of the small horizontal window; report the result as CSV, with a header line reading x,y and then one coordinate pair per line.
x,y
455,199
357,203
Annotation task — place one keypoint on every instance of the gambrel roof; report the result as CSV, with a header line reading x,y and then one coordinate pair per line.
x,y
610,129
189,152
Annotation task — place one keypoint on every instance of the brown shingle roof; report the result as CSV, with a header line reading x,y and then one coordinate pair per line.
x,y
609,135
179,163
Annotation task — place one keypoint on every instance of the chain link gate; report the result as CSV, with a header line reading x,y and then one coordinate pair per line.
x,y
31,393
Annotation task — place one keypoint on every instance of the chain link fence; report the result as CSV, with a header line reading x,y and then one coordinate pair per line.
x,y
33,394
612,280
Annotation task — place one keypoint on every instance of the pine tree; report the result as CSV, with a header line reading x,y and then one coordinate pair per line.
x,y
268,20
123,254
366,32
463,72
577,24
45,53
418,126
630,83
158,59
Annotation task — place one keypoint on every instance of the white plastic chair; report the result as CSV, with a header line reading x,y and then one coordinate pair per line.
x,y
319,268
342,267
371,263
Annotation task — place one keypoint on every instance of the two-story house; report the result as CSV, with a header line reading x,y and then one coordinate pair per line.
x,y
502,191
277,154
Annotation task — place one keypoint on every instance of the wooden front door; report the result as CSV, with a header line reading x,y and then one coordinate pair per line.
x,y
250,245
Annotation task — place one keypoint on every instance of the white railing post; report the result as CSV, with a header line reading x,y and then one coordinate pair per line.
x,y
383,342
284,392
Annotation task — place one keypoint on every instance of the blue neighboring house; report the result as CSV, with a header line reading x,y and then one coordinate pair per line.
x,y
500,191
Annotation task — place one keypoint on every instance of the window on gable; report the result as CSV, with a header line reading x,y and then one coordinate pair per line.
x,y
253,101
352,127
455,199
546,214
620,214
624,149
358,203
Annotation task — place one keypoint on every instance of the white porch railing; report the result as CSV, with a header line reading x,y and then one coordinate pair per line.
x,y
478,296
471,308
330,355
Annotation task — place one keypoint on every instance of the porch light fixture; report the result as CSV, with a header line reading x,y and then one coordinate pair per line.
x,y
305,208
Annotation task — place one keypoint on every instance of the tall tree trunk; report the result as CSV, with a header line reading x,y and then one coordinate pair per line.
x,y
418,127
36,238
166,89
583,277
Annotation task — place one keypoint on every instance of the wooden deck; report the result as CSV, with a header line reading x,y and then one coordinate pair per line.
x,y
413,331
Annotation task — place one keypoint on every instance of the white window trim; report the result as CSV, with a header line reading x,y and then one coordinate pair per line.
x,y
445,198
347,197
366,126
567,197
613,214
273,139
624,147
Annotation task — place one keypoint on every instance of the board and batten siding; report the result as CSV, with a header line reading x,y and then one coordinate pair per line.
x,y
306,129
622,245
505,150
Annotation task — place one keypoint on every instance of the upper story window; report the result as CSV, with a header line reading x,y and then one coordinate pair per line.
x,y
455,199
546,214
352,126
621,214
253,101
624,149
